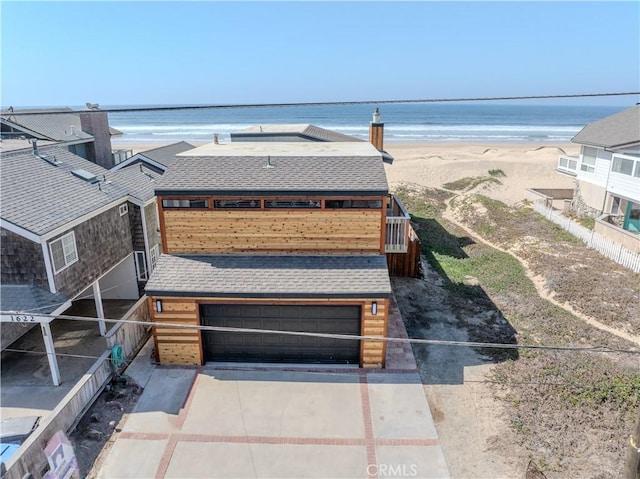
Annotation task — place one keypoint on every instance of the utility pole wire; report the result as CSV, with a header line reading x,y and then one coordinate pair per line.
x,y
327,103
472,344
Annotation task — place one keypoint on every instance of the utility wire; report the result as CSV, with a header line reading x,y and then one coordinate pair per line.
x,y
333,373
90,296
62,355
472,344
327,103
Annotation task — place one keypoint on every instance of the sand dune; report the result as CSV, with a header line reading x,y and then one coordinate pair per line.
x,y
525,165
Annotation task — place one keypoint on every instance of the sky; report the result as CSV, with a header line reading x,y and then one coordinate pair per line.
x,y
206,52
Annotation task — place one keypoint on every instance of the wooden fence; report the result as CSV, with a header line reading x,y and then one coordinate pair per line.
x,y
603,245
406,264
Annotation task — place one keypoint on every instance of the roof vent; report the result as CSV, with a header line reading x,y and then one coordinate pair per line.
x,y
85,175
52,161
268,165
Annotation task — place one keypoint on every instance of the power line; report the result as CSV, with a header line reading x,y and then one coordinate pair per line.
x,y
60,303
328,103
62,355
333,373
433,342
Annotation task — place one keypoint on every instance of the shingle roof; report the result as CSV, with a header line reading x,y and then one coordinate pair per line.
x,y
52,124
270,276
285,175
138,181
166,154
322,134
301,130
13,144
29,298
39,196
618,130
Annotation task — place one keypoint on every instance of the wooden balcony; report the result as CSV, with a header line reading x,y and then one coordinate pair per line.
x,y
398,226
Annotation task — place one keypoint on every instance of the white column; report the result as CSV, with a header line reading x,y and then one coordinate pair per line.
x,y
97,297
51,353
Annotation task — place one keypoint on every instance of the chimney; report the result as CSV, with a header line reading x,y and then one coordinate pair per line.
x,y
35,146
96,123
376,131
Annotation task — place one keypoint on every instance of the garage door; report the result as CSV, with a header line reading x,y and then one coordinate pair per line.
x,y
255,347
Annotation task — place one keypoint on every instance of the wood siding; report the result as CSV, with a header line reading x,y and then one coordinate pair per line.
x,y
373,353
184,346
272,231
176,346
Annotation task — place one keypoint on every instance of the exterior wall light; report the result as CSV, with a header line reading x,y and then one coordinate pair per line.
x,y
374,308
159,305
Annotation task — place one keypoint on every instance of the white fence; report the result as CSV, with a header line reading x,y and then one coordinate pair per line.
x,y
397,235
397,231
605,246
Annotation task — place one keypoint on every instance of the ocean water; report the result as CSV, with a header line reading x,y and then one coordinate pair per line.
x,y
477,122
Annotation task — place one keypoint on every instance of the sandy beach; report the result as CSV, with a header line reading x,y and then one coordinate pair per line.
x,y
525,165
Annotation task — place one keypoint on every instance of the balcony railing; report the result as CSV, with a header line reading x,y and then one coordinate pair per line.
x,y
568,164
121,155
397,233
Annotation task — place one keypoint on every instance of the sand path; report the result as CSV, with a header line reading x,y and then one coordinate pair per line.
x,y
539,280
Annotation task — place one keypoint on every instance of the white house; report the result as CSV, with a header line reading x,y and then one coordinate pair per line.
x,y
607,175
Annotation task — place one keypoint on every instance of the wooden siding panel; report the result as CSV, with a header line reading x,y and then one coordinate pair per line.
x,y
217,231
179,353
374,352
175,345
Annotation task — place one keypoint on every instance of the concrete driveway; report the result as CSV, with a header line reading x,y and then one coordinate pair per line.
x,y
213,422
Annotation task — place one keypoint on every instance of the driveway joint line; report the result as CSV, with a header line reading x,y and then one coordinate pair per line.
x,y
333,441
372,459
166,458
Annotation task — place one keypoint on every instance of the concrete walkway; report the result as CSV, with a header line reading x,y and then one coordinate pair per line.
x,y
278,423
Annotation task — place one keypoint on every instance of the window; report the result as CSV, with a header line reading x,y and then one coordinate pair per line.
x,y
141,266
244,204
292,204
615,205
365,204
185,203
63,252
636,173
588,163
124,209
153,257
623,165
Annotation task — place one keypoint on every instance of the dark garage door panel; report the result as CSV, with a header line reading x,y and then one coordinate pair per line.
x,y
228,346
